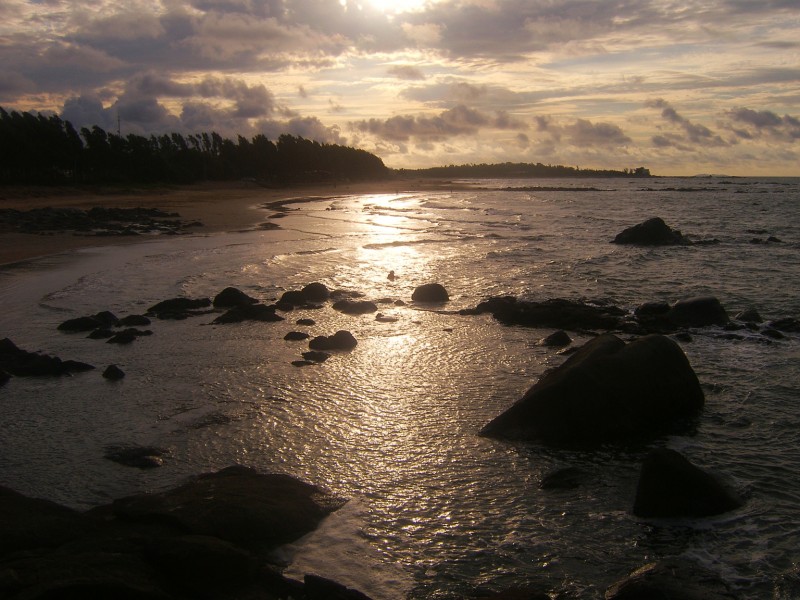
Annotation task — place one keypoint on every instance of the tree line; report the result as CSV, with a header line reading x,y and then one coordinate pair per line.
x,y
45,149
510,170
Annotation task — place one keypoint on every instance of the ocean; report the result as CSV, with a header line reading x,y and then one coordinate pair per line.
x,y
435,510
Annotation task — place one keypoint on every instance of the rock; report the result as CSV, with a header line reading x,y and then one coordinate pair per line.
x,y
29,523
341,340
128,335
230,297
772,334
651,308
236,504
700,311
319,588
293,297
670,578
141,457
296,336
316,356
606,391
134,321
382,318
430,292
558,339
178,305
749,315
355,307
249,312
653,232
101,334
557,313
671,486
566,478
316,292
113,372
21,363
306,322
101,319
786,325
303,363
4,377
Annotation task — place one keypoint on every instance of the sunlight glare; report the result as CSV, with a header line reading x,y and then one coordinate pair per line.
x,y
397,6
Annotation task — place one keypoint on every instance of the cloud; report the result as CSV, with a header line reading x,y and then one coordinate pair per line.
x,y
406,72
457,121
764,122
586,133
696,133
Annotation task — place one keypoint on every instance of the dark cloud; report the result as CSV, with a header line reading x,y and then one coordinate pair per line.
x,y
765,122
586,133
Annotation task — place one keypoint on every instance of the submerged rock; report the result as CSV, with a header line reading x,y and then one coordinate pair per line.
x,y
557,313
557,339
699,311
355,307
113,372
671,486
178,308
141,457
653,232
607,391
296,336
21,363
430,292
670,578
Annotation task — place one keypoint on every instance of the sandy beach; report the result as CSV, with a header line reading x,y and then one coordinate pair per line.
x,y
218,207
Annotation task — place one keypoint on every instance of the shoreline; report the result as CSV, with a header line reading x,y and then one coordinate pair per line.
x,y
219,207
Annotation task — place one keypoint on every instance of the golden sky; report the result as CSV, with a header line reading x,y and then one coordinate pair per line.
x,y
679,87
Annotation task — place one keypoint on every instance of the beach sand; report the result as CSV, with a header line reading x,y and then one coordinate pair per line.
x,y
234,206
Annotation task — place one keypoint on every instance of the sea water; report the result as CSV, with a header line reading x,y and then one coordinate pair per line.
x,y
435,510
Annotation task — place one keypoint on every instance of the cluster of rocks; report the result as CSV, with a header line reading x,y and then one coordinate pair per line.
x,y
95,221
210,538
655,232
22,363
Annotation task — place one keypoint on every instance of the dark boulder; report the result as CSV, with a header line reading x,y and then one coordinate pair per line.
x,y
430,292
653,232
699,311
21,363
606,391
355,307
101,334
134,321
238,505
316,292
316,356
249,312
101,319
319,588
341,340
787,325
558,339
4,377
306,322
114,373
127,336
566,478
671,486
749,315
293,297
296,336
230,297
673,578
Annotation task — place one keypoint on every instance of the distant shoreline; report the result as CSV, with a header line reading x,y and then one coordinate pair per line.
x,y
219,207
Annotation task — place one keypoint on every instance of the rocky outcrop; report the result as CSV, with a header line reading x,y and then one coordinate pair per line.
x,y
671,486
607,391
653,232
430,292
557,313
249,312
316,292
230,297
21,363
113,373
205,539
341,340
699,311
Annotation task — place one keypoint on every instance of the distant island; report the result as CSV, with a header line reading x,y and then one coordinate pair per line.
x,y
39,149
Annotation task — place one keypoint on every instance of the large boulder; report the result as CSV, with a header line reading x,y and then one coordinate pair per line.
x,y
316,292
653,232
699,311
236,504
607,391
430,292
671,486
355,307
341,340
559,313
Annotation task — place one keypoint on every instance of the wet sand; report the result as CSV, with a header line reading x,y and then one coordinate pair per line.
x,y
236,206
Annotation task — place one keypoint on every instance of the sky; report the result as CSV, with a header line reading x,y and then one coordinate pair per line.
x,y
682,88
